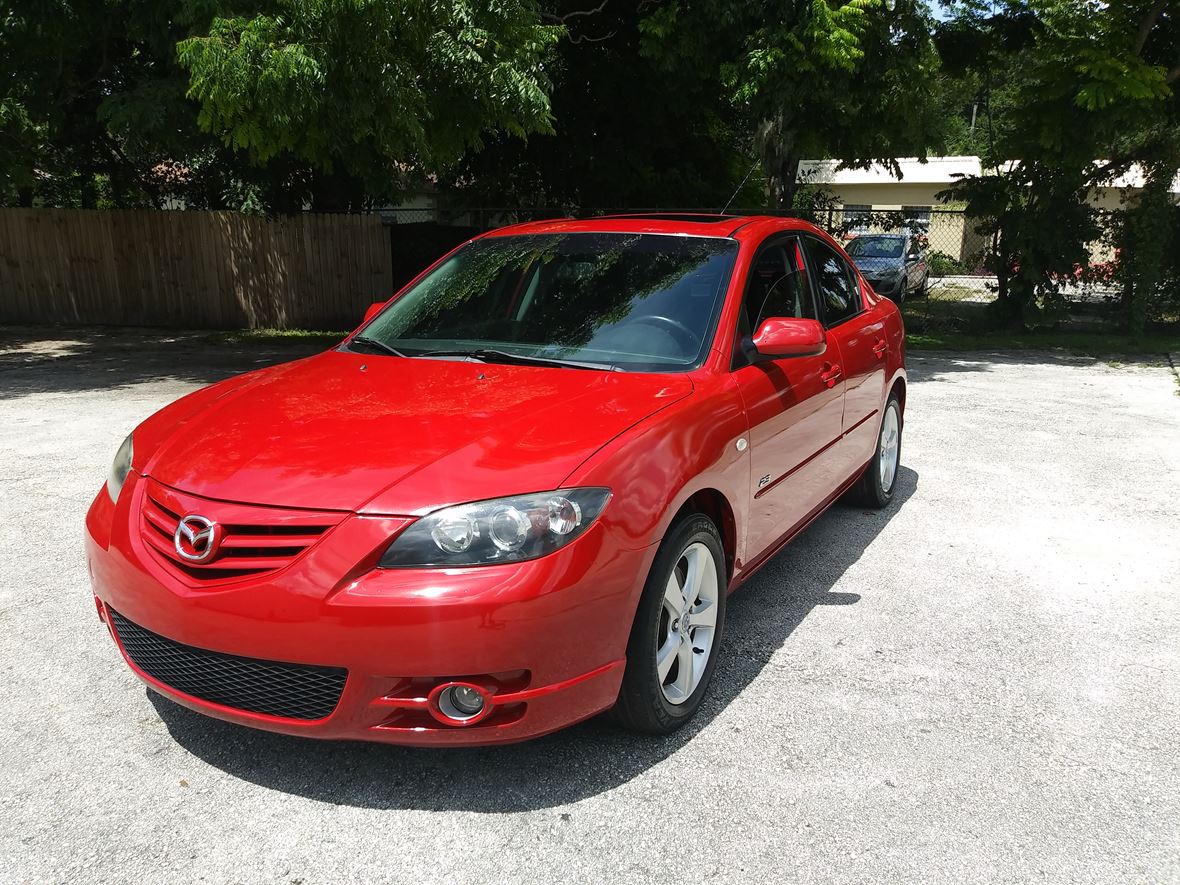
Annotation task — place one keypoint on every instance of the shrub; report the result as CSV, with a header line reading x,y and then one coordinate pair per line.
x,y
943,265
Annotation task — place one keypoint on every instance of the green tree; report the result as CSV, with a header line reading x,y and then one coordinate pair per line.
x,y
626,133
266,104
1079,81
853,79
360,90
90,102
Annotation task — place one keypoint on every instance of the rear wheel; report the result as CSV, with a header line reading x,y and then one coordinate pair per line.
x,y
677,631
880,477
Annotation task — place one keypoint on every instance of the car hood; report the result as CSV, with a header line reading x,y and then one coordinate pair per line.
x,y
879,265
381,434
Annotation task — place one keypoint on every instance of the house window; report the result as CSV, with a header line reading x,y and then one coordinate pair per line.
x,y
917,218
856,218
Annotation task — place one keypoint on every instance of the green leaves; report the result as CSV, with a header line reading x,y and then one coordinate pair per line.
x,y
369,85
1105,79
272,103
853,79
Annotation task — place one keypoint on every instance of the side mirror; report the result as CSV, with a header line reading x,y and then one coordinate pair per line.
x,y
374,309
790,336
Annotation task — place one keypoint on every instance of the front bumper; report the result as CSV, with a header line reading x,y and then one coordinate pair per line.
x,y
545,639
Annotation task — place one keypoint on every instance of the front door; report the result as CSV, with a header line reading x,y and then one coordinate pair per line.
x,y
794,404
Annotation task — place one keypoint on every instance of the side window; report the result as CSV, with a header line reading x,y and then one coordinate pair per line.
x,y
835,283
776,286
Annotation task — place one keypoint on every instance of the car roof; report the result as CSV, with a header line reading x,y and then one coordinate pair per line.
x,y
684,224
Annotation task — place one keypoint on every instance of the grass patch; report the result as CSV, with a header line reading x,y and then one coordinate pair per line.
x,y
1082,343
277,336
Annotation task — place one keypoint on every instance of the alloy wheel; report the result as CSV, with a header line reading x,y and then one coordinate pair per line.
x,y
688,623
888,448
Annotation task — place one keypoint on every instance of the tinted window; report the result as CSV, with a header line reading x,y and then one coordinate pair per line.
x,y
777,286
834,282
633,301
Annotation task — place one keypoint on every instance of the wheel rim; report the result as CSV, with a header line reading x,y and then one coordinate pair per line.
x,y
688,623
887,451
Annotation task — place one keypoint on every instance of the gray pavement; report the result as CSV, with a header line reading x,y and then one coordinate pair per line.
x,y
980,684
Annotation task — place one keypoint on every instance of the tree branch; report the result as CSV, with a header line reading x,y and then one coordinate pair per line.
x,y
1148,23
578,13
582,38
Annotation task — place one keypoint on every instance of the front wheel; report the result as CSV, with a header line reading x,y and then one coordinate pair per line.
x,y
677,631
876,485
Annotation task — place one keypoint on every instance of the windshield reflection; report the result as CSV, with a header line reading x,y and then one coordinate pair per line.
x,y
638,302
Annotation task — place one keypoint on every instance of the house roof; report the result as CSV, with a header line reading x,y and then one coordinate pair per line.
x,y
934,170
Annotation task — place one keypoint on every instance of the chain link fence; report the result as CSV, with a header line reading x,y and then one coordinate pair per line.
x,y
959,287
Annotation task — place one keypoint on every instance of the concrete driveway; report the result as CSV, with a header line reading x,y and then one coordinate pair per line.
x,y
980,684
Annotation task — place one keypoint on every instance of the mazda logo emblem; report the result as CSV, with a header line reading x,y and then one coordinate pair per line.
x,y
197,538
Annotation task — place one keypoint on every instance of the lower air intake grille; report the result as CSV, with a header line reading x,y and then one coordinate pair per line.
x,y
293,691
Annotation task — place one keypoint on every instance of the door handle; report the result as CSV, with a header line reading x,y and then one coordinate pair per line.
x,y
830,375
880,347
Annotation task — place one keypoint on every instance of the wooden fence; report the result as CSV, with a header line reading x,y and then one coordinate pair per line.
x,y
188,269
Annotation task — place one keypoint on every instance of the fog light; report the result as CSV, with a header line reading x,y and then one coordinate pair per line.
x,y
461,702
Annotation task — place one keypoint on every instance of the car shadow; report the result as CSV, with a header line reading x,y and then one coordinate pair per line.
x,y
570,765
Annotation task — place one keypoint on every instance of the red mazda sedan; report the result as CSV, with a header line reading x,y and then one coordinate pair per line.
x,y
517,496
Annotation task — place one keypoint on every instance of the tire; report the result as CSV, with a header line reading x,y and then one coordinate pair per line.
x,y
659,703
879,481
920,292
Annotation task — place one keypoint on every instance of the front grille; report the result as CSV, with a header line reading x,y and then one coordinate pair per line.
x,y
292,691
256,540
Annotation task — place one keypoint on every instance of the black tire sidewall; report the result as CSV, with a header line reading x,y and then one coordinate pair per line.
x,y
641,696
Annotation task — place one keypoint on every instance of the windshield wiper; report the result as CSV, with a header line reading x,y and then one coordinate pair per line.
x,y
373,342
488,355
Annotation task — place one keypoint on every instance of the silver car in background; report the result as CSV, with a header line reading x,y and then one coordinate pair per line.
x,y
894,264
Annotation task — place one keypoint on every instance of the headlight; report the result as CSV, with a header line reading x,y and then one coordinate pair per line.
x,y
119,470
503,530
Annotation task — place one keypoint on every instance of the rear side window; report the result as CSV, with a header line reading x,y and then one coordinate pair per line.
x,y
835,283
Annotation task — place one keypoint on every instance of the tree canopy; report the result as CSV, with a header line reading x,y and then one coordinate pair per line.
x,y
850,79
1077,82
267,104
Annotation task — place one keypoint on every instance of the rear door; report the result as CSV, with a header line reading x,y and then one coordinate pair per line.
x,y
858,331
794,404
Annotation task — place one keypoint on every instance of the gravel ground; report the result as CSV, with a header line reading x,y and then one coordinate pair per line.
x,y
980,684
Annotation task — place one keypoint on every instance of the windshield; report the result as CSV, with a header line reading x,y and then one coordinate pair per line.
x,y
636,302
875,247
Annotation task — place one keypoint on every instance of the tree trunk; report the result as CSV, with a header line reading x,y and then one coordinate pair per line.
x,y
784,184
776,140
